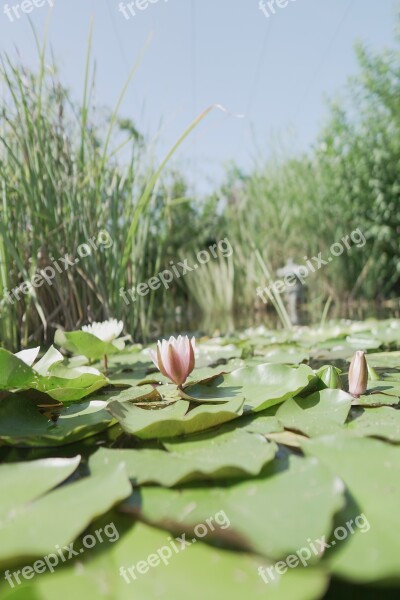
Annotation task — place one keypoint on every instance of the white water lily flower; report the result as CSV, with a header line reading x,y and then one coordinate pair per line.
x,y
28,356
107,331
45,364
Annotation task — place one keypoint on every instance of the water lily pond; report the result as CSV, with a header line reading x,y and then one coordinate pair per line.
x,y
231,467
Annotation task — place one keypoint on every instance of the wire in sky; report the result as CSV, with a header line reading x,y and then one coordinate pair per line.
x,y
116,33
260,62
323,59
193,63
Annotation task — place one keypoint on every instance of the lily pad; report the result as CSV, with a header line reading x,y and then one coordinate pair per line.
x,y
43,476
286,354
384,392
21,423
173,420
389,360
261,386
305,488
228,574
263,423
382,422
37,527
49,376
371,471
82,342
14,372
225,456
319,414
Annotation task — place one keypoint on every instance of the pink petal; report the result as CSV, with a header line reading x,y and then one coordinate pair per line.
x,y
178,372
154,358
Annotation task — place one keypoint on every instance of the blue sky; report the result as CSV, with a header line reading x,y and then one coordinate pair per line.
x,y
277,71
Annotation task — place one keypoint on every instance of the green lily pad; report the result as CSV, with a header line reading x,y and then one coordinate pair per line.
x,y
339,351
319,414
371,471
56,519
14,373
173,420
71,384
388,332
263,423
382,422
21,423
386,360
261,386
82,342
383,392
286,354
305,488
360,341
138,393
49,376
43,475
225,456
223,574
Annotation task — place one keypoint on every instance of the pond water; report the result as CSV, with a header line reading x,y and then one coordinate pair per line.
x,y
227,323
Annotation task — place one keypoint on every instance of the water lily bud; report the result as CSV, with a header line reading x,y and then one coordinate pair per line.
x,y
372,374
330,376
358,374
175,358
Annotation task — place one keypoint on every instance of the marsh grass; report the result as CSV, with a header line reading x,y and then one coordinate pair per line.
x,y
62,181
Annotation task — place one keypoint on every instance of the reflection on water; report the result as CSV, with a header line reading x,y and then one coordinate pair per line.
x,y
227,323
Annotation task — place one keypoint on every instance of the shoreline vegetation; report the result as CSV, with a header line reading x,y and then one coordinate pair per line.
x,y
64,181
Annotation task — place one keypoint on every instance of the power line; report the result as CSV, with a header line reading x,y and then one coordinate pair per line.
x,y
323,59
116,33
193,62
260,62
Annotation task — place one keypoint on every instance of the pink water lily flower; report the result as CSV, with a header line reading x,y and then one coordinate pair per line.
x,y
175,358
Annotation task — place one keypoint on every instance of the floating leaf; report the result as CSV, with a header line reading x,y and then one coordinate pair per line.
x,y
69,385
82,342
388,360
37,527
43,475
173,420
14,373
21,423
371,472
286,354
225,456
230,575
261,386
379,393
382,422
321,413
297,503
48,376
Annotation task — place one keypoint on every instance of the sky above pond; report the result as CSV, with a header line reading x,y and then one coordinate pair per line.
x,y
277,64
